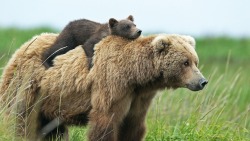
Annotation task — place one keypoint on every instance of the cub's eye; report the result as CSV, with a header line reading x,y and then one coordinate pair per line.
x,y
127,27
186,63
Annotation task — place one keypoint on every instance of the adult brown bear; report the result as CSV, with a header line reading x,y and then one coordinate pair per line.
x,y
116,93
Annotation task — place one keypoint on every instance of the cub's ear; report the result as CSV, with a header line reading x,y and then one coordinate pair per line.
x,y
189,39
112,22
160,44
131,18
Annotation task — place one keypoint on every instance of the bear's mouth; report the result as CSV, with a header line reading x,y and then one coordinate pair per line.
x,y
135,37
194,88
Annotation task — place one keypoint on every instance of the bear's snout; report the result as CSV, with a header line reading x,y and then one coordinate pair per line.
x,y
138,32
197,85
203,82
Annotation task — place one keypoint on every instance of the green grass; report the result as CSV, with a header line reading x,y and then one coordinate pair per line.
x,y
218,113
13,38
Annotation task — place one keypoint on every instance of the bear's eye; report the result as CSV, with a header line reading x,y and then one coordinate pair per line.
x,y
127,26
186,63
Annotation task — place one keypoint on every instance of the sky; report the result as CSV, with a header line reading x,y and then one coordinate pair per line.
x,y
192,17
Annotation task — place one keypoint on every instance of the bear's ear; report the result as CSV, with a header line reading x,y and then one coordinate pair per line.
x,y
160,44
190,40
112,22
131,18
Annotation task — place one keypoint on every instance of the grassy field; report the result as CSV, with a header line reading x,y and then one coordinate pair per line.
x,y
221,112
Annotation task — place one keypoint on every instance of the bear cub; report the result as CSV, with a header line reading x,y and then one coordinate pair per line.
x,y
88,33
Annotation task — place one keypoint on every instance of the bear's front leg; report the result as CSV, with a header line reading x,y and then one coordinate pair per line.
x,y
106,119
133,127
102,127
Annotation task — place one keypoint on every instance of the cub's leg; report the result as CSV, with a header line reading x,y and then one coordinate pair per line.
x,y
88,47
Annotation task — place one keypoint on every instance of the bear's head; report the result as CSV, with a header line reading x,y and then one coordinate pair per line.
x,y
177,61
124,28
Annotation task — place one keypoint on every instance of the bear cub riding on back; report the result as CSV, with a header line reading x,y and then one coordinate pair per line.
x,y
88,33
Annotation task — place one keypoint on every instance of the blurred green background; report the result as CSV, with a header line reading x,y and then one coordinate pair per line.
x,y
220,112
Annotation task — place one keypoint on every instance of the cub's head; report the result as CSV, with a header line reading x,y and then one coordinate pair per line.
x,y
177,62
124,28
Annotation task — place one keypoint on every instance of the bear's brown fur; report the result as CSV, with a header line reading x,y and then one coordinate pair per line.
x,y
88,33
118,90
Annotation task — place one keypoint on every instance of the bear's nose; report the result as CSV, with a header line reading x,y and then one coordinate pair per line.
x,y
139,31
203,82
